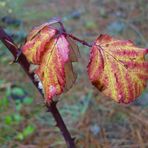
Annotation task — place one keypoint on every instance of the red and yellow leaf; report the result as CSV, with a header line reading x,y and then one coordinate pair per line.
x,y
118,68
52,53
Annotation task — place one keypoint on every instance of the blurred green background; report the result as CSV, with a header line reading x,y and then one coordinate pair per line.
x,y
96,121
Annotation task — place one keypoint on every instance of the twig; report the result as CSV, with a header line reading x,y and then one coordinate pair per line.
x,y
8,42
79,40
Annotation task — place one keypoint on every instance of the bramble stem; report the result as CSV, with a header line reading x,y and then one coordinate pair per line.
x,y
60,123
79,40
8,42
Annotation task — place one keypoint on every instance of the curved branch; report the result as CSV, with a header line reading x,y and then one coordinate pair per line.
x,y
78,40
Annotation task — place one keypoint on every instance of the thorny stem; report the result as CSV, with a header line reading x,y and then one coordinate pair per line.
x,y
8,42
79,40
59,123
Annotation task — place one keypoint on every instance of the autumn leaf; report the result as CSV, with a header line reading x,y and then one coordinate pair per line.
x,y
118,68
54,53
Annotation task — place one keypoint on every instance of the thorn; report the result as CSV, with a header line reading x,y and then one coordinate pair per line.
x,y
17,56
11,62
73,138
12,44
15,60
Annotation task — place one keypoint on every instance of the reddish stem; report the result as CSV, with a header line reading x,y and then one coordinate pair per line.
x,y
59,123
79,40
8,42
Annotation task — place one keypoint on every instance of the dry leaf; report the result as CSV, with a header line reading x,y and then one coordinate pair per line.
x,y
54,54
118,68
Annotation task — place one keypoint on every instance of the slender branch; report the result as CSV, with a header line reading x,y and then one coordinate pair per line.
x,y
79,40
59,123
8,42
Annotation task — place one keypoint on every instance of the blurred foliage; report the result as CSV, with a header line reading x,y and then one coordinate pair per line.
x,y
27,131
11,109
116,27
